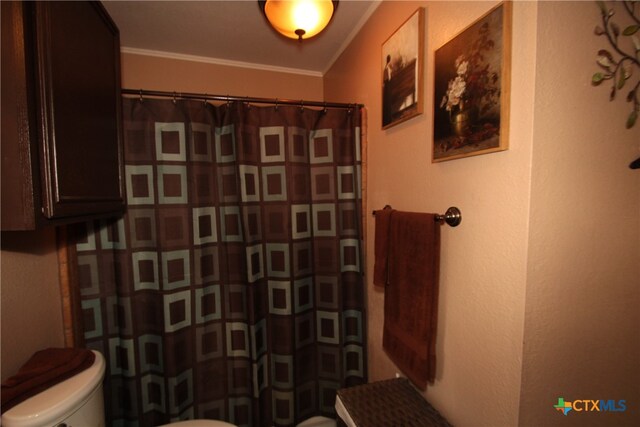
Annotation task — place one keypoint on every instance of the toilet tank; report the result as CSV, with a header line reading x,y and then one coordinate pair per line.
x,y
74,402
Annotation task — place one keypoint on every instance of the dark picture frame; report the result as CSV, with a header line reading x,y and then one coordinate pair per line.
x,y
402,72
472,88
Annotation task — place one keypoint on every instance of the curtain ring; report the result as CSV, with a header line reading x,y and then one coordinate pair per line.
x,y
141,99
174,98
247,102
324,111
276,107
204,100
228,100
302,106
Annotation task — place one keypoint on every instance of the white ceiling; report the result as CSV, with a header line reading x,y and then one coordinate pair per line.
x,y
233,32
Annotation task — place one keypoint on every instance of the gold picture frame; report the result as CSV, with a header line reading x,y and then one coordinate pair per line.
x,y
472,88
402,72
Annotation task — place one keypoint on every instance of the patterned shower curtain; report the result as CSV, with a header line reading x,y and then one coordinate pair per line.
x,y
232,288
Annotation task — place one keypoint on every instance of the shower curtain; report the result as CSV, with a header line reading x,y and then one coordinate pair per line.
x,y
232,288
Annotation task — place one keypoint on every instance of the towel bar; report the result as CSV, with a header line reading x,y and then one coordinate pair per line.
x,y
453,216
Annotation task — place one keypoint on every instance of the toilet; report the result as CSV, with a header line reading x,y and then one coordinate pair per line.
x,y
76,401
199,423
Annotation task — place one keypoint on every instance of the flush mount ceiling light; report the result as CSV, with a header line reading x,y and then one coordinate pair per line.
x,y
299,19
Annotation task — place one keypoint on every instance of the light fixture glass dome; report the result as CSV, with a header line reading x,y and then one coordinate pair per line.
x,y
299,19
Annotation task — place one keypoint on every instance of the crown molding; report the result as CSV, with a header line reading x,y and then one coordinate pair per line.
x,y
218,61
352,34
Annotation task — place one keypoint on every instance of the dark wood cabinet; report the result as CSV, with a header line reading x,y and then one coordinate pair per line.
x,y
61,115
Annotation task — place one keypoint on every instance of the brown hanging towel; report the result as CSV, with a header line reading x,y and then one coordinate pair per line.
x,y
411,294
381,248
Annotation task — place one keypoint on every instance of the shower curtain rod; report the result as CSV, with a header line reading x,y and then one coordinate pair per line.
x,y
226,98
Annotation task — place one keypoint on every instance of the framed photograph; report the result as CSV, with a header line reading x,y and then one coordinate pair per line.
x,y
402,65
472,89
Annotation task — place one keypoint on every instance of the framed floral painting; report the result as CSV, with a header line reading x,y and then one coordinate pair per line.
x,y
472,89
401,68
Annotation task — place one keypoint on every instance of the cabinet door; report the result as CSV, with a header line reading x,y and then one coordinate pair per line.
x,y
18,160
79,110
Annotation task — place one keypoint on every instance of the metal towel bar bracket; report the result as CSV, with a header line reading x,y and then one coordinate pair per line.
x,y
453,216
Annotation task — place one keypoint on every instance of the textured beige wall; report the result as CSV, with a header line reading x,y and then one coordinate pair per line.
x,y
550,231
169,74
30,297
483,261
583,290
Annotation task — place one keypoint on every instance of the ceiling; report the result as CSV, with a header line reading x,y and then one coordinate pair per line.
x,y
233,32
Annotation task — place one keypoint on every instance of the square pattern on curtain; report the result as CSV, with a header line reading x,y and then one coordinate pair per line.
x,y
232,288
